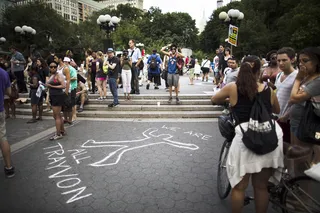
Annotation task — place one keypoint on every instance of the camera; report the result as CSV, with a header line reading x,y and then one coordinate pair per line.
x,y
125,53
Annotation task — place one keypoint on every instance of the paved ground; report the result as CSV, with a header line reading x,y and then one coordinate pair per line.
x,y
119,167
18,129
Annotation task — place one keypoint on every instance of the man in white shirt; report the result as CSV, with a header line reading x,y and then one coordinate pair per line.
x,y
136,57
283,85
205,67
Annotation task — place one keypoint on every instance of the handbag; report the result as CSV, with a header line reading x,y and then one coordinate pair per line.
x,y
204,68
309,126
105,69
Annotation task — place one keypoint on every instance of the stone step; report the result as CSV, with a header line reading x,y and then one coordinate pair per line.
x,y
113,113
140,102
103,107
144,96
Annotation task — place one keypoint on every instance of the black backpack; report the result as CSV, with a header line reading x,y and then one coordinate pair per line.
x,y
153,63
261,137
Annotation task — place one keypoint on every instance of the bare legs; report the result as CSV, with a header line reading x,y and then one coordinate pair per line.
x,y
58,119
9,103
100,91
104,87
261,194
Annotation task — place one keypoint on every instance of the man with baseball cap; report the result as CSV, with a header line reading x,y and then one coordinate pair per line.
x,y
113,63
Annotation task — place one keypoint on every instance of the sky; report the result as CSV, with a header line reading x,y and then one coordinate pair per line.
x,y
194,7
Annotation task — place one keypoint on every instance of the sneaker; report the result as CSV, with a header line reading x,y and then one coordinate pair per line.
x,y
9,172
99,99
104,98
177,100
116,105
111,105
80,109
148,86
170,100
137,93
132,92
156,87
63,133
55,137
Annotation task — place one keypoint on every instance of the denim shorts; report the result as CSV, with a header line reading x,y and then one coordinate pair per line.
x,y
3,132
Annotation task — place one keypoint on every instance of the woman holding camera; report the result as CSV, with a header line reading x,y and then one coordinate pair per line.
x,y
126,75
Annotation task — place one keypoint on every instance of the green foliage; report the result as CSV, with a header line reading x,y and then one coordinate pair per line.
x,y
44,20
267,25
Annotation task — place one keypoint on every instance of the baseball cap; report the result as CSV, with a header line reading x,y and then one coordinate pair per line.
x,y
66,59
110,50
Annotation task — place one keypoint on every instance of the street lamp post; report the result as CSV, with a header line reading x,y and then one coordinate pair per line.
x,y
108,24
26,31
3,40
231,18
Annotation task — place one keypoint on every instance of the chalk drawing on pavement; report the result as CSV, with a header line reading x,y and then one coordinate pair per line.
x,y
150,139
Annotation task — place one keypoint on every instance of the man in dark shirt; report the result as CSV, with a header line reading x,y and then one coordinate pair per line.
x,y
112,64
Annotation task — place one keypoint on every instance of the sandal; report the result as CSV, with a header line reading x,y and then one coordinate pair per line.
x,y
55,137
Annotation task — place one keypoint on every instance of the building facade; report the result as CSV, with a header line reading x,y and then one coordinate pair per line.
x,y
114,3
3,5
221,3
71,10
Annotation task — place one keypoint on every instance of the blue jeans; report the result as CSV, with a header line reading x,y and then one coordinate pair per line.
x,y
114,89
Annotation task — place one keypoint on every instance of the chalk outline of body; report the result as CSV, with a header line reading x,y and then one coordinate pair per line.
x,y
148,134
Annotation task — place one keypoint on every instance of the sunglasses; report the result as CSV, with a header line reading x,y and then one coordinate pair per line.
x,y
304,60
52,67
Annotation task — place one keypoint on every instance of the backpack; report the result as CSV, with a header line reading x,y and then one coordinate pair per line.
x,y
260,137
180,63
153,63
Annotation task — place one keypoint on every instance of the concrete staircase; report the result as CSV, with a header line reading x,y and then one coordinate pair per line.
x,y
143,106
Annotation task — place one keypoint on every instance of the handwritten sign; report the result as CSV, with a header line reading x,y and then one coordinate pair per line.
x,y
233,35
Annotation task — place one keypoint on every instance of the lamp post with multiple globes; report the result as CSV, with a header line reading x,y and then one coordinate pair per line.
x,y
108,24
231,18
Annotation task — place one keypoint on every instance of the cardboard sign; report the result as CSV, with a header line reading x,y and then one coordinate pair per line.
x,y
233,35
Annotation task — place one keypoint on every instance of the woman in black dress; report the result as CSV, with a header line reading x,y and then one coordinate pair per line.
x,y
56,84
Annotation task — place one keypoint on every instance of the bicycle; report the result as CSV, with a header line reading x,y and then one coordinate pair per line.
x,y
291,195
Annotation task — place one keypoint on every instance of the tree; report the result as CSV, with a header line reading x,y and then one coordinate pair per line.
x,y
268,24
45,21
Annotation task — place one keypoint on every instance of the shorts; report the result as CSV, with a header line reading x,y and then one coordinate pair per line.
x,y
56,100
73,97
191,72
78,99
217,75
67,105
155,77
35,100
205,70
3,132
101,79
173,80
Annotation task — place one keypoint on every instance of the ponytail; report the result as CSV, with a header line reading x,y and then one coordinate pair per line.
x,y
247,77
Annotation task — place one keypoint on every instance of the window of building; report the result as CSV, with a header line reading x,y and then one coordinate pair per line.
x,y
66,16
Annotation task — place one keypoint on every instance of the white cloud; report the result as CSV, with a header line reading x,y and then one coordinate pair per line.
x,y
194,8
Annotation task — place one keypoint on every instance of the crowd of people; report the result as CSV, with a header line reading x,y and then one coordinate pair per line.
x,y
286,82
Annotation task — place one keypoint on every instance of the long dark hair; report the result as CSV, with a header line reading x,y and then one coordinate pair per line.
x,y
247,77
313,53
44,64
